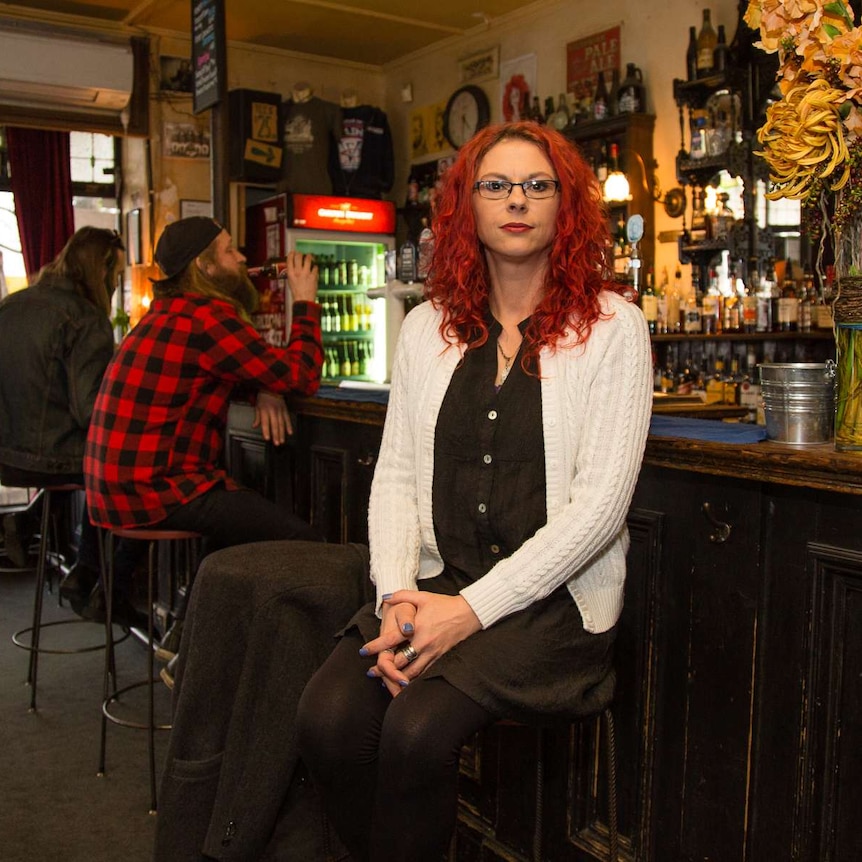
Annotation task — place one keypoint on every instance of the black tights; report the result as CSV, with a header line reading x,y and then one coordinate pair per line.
x,y
386,768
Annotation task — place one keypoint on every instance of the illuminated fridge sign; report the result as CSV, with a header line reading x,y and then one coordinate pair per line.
x,y
353,215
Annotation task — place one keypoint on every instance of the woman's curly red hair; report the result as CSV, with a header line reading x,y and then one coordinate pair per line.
x,y
458,281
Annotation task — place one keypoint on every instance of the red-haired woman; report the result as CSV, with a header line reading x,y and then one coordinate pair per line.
x,y
518,413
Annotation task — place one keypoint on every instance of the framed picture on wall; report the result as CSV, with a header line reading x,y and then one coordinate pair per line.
x,y
175,75
185,141
134,245
481,66
195,208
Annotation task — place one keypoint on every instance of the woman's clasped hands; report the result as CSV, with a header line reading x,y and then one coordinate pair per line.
x,y
415,630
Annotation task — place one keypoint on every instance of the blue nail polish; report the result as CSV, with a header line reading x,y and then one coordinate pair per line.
x,y
386,596
371,673
407,627
363,651
404,683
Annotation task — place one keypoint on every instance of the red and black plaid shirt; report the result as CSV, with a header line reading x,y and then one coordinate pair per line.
x,y
156,438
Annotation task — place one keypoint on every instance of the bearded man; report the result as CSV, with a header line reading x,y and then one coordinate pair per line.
x,y
155,446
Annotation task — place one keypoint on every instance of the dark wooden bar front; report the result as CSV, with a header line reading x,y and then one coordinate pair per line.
x,y
739,698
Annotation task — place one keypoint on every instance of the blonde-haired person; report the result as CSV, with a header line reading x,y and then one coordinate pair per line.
x,y
55,343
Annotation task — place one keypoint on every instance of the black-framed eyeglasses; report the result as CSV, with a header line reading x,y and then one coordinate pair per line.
x,y
497,190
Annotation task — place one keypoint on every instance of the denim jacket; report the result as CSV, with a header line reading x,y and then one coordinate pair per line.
x,y
54,348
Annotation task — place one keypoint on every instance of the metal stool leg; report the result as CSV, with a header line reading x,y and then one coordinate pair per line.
x,y
613,834
151,716
33,669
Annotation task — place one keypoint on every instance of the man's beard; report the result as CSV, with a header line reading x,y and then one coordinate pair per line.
x,y
238,286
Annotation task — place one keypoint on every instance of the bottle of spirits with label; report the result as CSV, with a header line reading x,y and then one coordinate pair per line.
x,y
707,39
719,62
649,303
749,298
788,304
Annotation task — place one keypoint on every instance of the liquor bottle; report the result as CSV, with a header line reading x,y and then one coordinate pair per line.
x,y
706,42
407,262
426,250
731,310
714,385
807,303
344,368
549,110
764,298
354,359
719,61
749,299
698,230
662,302
536,111
788,306
691,54
601,97
334,314
649,304
709,319
602,164
676,310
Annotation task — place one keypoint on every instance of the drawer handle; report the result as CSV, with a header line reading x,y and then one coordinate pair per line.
x,y
366,460
722,529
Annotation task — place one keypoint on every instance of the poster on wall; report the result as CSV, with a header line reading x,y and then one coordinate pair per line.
x,y
185,141
426,131
585,58
518,85
175,75
208,53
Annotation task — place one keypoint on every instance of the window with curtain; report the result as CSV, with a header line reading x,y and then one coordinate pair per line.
x,y
94,161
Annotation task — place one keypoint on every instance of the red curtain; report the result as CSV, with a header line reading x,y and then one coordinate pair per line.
x,y
42,186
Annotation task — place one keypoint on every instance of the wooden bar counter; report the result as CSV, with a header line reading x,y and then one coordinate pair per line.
x,y
739,695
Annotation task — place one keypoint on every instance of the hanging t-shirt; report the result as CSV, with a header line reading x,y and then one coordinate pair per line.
x,y
311,130
363,164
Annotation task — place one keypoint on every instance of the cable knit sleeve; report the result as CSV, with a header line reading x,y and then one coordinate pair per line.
x,y
393,516
596,405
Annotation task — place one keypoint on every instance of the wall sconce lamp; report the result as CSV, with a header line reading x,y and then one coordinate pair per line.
x,y
616,188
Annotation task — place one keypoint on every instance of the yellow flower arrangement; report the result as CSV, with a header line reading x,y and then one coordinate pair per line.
x,y
807,133
812,136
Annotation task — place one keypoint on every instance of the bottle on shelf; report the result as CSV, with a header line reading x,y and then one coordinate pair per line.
x,y
676,306
807,303
707,39
602,163
649,303
601,98
662,293
710,315
749,298
699,226
629,95
425,250
536,111
693,314
691,55
788,304
719,62
407,262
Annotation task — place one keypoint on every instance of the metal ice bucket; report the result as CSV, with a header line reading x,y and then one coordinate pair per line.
x,y
798,401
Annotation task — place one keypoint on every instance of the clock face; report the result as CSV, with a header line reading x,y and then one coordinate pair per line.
x,y
467,111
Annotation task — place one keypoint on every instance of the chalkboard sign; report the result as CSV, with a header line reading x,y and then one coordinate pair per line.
x,y
208,53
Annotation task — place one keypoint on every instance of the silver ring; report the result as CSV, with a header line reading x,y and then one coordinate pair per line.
x,y
409,653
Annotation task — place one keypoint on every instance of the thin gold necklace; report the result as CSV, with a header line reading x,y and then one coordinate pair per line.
x,y
508,360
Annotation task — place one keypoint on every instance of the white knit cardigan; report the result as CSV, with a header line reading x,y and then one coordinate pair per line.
x,y
596,403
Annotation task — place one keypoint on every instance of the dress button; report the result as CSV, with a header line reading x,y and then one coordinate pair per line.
x,y
487,459
492,414
483,508
495,549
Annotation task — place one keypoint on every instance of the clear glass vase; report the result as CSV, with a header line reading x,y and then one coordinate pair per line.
x,y
847,310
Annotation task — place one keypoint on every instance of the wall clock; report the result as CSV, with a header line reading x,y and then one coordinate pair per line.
x,y
467,111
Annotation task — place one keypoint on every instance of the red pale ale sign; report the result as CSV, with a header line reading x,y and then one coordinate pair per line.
x,y
586,57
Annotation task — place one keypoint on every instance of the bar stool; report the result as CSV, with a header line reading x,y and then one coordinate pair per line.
x,y
607,724
153,536
46,552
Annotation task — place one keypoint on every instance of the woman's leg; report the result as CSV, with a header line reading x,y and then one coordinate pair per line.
x,y
339,718
416,796
386,768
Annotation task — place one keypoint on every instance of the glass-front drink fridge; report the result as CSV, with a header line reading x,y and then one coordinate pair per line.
x,y
349,238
